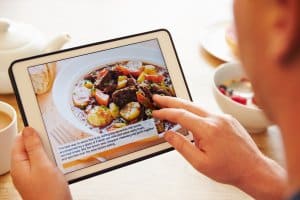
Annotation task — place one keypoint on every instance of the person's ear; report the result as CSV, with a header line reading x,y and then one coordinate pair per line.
x,y
286,30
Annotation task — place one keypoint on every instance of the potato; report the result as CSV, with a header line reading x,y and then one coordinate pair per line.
x,y
81,97
101,98
99,116
114,110
131,111
88,84
122,81
119,125
150,69
141,77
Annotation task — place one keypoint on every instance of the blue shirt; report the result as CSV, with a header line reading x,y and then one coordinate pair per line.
x,y
296,196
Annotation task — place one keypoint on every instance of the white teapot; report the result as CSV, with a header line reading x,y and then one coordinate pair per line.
x,y
18,40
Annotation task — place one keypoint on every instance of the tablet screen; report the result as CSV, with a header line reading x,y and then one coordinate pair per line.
x,y
98,106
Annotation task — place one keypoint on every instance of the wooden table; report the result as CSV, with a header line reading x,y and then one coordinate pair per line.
x,y
167,176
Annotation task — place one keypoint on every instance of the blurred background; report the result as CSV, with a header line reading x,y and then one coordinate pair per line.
x,y
167,176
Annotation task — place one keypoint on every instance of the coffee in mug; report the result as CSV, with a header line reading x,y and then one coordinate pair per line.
x,y
8,132
5,120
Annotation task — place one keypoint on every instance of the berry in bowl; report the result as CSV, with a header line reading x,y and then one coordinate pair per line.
x,y
239,90
234,95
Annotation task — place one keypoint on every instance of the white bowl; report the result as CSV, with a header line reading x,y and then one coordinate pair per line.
x,y
252,118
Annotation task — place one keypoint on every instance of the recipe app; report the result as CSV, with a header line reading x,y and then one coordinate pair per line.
x,y
98,106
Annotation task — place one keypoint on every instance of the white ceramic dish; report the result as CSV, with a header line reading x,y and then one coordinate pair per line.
x,y
75,70
214,42
18,40
252,118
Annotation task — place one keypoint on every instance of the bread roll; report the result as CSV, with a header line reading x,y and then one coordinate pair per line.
x,y
42,77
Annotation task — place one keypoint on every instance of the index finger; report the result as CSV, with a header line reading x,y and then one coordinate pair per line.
x,y
174,102
186,119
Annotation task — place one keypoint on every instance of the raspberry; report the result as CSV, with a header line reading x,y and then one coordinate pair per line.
x,y
239,99
222,90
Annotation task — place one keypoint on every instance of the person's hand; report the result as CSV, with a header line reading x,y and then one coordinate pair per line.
x,y
33,174
222,149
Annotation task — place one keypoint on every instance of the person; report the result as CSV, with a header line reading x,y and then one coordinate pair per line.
x,y
269,46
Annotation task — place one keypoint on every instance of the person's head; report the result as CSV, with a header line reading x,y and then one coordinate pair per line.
x,y
269,45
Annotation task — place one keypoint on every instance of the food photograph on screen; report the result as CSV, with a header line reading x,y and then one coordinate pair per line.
x,y
98,106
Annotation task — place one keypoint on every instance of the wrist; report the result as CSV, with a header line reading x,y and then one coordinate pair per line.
x,y
265,180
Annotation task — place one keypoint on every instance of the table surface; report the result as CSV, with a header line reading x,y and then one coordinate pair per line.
x,y
167,176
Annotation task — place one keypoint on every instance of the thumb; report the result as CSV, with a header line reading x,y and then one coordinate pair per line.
x,y
34,147
188,150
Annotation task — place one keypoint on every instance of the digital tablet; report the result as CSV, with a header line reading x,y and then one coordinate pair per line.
x,y
92,105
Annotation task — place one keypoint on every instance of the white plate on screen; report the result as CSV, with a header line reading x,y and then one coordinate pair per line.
x,y
62,87
214,42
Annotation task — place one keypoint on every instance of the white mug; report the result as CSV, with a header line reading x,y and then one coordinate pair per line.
x,y
7,136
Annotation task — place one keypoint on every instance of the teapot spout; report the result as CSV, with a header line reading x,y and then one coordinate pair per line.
x,y
57,42
4,25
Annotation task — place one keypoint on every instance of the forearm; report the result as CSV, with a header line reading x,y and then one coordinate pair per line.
x,y
267,181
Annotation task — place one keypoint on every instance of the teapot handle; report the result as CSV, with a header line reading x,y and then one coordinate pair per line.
x,y
4,25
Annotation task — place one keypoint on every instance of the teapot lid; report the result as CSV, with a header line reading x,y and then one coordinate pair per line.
x,y
14,35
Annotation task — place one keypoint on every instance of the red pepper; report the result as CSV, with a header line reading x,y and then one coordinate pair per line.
x,y
123,70
135,73
102,73
155,78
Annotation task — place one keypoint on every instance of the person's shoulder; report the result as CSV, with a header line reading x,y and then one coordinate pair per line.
x,y
296,196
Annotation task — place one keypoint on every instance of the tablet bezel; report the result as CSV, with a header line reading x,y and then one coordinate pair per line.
x,y
30,110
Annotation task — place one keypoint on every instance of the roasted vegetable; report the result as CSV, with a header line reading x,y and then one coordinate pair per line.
x,y
150,69
93,92
154,78
122,69
88,84
131,111
119,125
135,73
102,73
99,116
114,110
81,96
101,98
122,81
141,77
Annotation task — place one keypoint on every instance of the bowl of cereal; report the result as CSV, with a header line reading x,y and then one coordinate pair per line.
x,y
234,95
